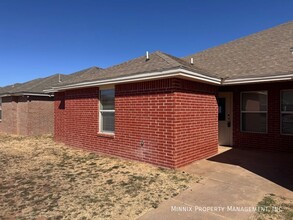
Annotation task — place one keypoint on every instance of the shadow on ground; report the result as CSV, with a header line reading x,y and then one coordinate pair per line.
x,y
276,167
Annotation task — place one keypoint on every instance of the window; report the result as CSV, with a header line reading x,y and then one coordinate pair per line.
x,y
107,111
221,109
254,111
287,112
0,109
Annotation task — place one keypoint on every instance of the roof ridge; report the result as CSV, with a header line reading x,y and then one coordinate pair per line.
x,y
177,58
167,57
92,68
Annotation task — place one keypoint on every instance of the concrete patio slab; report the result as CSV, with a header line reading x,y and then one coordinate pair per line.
x,y
231,181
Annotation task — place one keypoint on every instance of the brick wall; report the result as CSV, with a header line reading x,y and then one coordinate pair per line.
x,y
27,115
273,140
144,112
40,116
196,122
9,115
22,116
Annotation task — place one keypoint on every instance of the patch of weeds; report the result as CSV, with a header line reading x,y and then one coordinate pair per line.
x,y
137,178
92,164
79,173
152,180
66,157
267,201
175,194
179,179
163,170
92,156
288,215
58,217
287,205
72,179
109,169
25,193
110,182
275,207
135,185
155,204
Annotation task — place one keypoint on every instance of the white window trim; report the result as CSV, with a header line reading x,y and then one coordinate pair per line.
x,y
262,112
101,111
284,112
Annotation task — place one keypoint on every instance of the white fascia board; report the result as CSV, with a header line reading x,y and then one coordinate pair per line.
x,y
171,73
37,94
255,81
258,79
26,94
4,95
141,77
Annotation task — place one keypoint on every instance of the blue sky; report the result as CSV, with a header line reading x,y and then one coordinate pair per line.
x,y
41,37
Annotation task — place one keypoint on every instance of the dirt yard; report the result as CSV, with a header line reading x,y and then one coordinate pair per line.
x,y
40,179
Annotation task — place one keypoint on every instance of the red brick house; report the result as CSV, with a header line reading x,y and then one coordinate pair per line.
x,y
170,112
25,109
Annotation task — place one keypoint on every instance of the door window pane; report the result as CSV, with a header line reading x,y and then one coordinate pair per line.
x,y
221,109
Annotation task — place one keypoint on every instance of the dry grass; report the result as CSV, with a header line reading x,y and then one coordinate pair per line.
x,y
42,179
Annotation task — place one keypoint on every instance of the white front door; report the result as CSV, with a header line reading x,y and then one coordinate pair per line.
x,y
225,118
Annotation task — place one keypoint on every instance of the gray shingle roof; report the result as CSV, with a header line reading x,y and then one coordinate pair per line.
x,y
158,61
33,86
266,53
39,85
81,75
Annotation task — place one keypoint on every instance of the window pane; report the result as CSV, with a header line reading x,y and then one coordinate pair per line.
x,y
221,109
287,100
107,98
254,101
0,114
108,121
287,123
254,122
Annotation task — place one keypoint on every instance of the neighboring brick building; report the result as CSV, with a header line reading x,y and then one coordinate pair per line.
x,y
25,109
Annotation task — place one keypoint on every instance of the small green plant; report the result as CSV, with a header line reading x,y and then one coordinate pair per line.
x,y
275,207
